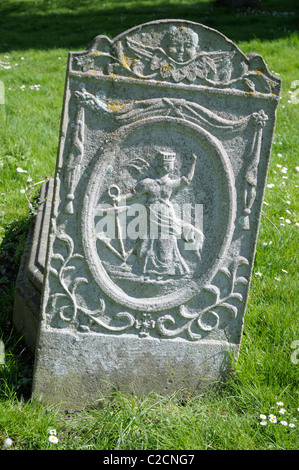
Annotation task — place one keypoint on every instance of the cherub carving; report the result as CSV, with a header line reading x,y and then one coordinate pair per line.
x,y
178,58
177,54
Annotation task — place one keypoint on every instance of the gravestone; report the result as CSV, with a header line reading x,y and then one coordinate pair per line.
x,y
164,148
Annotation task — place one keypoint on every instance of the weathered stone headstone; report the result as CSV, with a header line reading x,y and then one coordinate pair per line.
x,y
164,148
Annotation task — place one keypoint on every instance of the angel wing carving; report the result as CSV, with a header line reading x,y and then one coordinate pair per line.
x,y
214,66
176,55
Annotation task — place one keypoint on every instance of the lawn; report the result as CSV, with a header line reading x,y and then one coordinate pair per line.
x,y
34,43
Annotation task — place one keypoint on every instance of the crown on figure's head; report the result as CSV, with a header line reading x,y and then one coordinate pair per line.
x,y
168,156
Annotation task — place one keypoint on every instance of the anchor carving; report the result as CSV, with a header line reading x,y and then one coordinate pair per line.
x,y
115,211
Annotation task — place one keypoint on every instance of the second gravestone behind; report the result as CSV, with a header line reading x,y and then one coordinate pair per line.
x,y
164,149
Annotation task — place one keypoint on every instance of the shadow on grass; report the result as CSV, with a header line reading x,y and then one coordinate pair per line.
x,y
16,373
73,25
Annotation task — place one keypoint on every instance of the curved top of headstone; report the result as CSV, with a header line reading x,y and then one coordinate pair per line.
x,y
177,52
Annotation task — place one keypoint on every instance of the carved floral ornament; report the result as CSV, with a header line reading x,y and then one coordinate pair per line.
x,y
178,53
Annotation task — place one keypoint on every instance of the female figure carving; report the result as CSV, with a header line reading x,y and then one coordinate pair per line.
x,y
158,252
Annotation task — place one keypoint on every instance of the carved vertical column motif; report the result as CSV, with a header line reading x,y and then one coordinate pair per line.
x,y
73,165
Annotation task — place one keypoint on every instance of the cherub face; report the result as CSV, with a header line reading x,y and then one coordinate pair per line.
x,y
182,51
182,45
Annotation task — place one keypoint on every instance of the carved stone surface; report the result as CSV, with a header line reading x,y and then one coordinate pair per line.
x,y
164,149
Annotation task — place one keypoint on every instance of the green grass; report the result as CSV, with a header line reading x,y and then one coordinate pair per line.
x,y
37,36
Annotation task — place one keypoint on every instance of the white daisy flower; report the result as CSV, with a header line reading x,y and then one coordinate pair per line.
x,y
20,170
7,442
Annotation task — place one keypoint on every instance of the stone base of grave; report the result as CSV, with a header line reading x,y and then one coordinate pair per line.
x,y
26,315
77,369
